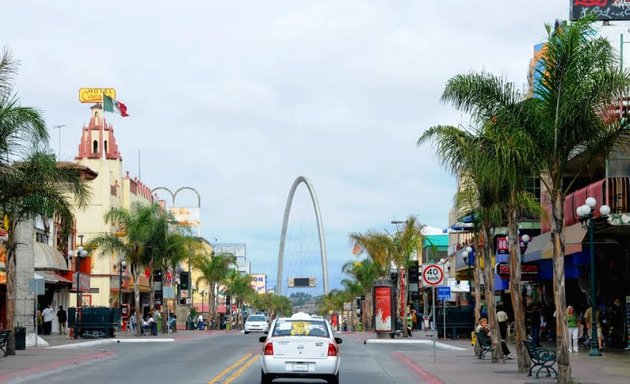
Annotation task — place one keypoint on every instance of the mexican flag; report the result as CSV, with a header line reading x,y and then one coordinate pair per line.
x,y
114,106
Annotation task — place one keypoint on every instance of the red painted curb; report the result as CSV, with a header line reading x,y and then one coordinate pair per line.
x,y
56,364
412,365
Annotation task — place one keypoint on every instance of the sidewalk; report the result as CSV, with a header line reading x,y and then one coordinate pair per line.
x,y
455,362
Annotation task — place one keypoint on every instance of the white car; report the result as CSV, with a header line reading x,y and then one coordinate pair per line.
x,y
256,323
300,346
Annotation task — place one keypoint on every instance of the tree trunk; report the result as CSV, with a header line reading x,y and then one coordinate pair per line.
x,y
402,277
211,303
557,237
10,304
488,275
477,277
136,295
368,311
515,292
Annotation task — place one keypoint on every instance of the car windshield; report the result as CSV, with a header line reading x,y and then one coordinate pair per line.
x,y
256,318
300,328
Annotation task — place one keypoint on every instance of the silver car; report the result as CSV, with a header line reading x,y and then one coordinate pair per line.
x,y
300,346
256,323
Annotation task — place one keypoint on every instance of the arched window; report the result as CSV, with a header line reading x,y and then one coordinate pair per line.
x,y
95,146
105,145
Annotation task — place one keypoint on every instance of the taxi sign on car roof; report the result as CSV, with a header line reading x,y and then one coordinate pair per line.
x,y
300,316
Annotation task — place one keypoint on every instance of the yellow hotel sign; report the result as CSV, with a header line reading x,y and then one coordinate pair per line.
x,y
95,95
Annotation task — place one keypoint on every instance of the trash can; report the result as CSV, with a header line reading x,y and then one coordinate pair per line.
x,y
20,338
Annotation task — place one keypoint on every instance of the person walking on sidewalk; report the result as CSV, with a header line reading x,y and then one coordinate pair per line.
x,y
502,318
49,315
62,316
535,324
572,326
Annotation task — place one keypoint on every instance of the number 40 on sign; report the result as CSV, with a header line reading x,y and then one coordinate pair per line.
x,y
432,274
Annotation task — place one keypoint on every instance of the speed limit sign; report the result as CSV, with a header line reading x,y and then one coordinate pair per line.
x,y
432,274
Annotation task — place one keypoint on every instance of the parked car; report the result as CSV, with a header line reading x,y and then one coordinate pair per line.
x,y
256,323
300,346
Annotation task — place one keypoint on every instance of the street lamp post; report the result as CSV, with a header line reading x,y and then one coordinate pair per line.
x,y
122,266
80,254
467,256
585,212
203,292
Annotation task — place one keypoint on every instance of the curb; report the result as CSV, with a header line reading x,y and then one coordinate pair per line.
x,y
112,341
426,342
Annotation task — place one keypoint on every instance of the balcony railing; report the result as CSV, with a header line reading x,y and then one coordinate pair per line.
x,y
613,191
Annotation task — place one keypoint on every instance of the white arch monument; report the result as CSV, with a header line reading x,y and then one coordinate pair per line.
x,y
320,230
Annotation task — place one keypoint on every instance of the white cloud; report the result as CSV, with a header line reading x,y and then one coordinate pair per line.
x,y
237,99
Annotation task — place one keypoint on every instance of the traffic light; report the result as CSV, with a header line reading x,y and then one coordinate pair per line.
x,y
227,300
183,280
414,272
157,275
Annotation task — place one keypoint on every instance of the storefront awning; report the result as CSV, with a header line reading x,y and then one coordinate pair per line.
x,y
52,277
541,246
48,257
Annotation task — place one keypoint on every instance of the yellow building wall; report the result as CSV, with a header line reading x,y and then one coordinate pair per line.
x,y
91,219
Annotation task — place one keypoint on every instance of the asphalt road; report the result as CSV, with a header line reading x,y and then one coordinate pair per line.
x,y
222,359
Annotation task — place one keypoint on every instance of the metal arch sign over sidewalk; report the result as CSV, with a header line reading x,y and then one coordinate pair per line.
x,y
432,274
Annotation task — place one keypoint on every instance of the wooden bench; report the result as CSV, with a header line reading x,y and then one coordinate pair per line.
x,y
4,337
540,357
485,345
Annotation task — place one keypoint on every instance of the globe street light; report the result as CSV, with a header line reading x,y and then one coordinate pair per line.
x,y
80,254
122,266
585,212
467,256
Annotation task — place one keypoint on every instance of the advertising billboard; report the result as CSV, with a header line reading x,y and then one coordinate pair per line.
x,y
259,283
383,306
603,9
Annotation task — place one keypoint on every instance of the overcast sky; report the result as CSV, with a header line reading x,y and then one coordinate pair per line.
x,y
238,98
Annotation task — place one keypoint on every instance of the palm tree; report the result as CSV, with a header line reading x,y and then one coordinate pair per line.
x,y
364,273
39,186
214,270
405,243
239,287
504,162
463,152
580,80
138,225
168,247
332,301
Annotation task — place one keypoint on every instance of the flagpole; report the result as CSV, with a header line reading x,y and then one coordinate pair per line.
x,y
103,122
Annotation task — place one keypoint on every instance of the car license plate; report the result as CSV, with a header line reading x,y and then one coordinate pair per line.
x,y
300,367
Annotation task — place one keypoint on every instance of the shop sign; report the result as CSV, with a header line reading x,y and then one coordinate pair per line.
x,y
527,270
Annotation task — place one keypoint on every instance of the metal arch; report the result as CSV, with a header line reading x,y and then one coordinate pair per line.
x,y
174,195
167,190
191,189
320,229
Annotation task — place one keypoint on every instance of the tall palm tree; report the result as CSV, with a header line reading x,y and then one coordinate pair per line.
x,y
580,80
503,162
364,272
463,153
239,287
352,289
168,247
39,186
214,270
138,226
406,242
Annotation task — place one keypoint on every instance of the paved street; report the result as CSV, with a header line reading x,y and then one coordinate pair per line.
x,y
231,357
